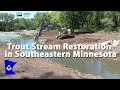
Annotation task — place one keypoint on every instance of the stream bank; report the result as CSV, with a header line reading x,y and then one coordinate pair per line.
x,y
45,68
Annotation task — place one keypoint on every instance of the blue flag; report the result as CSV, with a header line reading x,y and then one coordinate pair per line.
x,y
9,66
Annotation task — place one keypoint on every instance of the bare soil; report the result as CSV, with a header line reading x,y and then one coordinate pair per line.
x,y
80,38
41,68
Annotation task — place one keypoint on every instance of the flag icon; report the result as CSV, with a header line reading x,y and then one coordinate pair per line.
x,y
9,66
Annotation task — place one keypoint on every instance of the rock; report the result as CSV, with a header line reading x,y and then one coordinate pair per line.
x,y
42,41
107,42
23,77
65,66
76,71
115,43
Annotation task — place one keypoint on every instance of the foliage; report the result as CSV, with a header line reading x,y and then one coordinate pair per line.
x,y
82,21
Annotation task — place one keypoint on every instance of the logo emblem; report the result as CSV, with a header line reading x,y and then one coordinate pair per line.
x,y
9,66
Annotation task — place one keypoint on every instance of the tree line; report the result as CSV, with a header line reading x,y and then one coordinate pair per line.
x,y
82,21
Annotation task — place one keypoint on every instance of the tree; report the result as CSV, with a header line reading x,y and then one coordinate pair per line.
x,y
24,24
6,21
55,17
41,17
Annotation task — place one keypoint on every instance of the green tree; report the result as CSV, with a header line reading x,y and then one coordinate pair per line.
x,y
41,17
6,21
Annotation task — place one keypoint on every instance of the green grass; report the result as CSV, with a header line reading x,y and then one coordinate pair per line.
x,y
88,31
77,30
84,30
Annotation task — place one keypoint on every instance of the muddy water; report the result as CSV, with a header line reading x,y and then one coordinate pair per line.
x,y
106,68
5,37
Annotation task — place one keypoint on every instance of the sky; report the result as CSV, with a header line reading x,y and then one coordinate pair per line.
x,y
25,14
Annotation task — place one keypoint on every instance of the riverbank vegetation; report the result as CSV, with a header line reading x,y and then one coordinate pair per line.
x,y
78,21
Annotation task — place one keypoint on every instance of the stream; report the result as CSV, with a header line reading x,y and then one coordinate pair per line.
x,y
108,69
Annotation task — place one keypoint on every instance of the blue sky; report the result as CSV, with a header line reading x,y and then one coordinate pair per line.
x,y
31,13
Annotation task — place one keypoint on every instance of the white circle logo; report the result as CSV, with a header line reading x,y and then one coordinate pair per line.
x,y
9,68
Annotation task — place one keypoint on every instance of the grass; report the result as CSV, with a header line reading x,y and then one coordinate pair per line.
x,y
84,30
88,31
76,30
